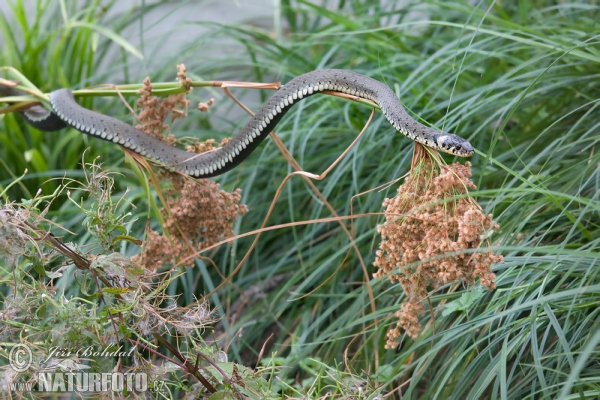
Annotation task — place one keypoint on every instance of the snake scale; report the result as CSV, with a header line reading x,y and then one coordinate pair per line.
x,y
68,112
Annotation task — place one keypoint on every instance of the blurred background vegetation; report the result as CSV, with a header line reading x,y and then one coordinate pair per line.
x,y
519,79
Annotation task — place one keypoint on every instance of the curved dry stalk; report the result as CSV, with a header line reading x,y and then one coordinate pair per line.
x,y
320,177
273,228
346,365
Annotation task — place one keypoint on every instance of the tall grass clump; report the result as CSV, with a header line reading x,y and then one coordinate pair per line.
x,y
304,302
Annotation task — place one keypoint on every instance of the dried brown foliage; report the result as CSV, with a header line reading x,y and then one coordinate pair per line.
x,y
198,213
432,238
154,110
201,147
200,216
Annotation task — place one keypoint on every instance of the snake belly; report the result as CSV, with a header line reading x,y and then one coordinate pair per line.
x,y
260,125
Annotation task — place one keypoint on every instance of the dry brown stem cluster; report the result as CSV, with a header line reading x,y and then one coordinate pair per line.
x,y
198,214
432,236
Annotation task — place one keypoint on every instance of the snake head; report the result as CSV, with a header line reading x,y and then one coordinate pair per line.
x,y
450,143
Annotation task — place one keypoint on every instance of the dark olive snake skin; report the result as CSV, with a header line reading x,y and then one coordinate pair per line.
x,y
264,121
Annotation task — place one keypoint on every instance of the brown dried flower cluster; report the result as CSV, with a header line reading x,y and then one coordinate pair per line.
x,y
201,147
183,79
205,107
155,111
200,216
430,238
198,213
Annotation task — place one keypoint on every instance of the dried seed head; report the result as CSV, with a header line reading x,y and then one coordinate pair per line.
x,y
183,79
200,215
432,237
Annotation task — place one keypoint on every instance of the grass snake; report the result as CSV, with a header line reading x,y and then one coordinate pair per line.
x,y
68,112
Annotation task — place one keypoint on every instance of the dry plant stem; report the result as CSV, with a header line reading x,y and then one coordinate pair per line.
x,y
227,379
273,228
18,84
17,106
79,261
161,89
187,365
59,246
225,85
9,83
336,162
227,345
124,101
156,353
384,185
306,176
420,151
347,348
406,382
262,350
168,88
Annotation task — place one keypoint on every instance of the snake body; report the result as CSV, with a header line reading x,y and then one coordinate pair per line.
x,y
264,121
36,116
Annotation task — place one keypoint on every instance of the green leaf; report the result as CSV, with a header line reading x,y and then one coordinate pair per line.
x,y
384,373
53,275
39,268
42,311
109,34
117,290
222,395
128,238
464,302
